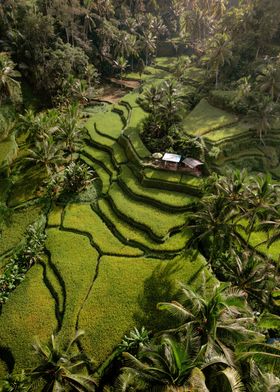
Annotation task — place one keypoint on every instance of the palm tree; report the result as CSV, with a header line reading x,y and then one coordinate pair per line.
x,y
121,63
221,316
148,43
264,114
263,201
9,86
70,131
174,365
269,80
47,154
40,126
215,223
61,369
250,273
219,52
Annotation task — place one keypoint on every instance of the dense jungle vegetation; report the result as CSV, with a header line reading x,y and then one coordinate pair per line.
x,y
119,272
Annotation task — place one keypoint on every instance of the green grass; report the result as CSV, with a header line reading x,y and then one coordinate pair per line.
x,y
83,218
162,175
119,154
169,198
257,240
96,137
174,243
159,222
54,217
102,157
136,142
167,62
104,176
125,295
272,252
29,313
76,261
14,233
196,182
109,124
205,118
239,129
131,99
195,74
137,117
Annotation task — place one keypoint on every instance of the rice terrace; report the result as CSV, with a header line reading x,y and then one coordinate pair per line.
x,y
139,195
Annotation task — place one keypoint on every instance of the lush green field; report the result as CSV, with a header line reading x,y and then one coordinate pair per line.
x,y
82,219
164,197
140,213
125,294
29,313
76,261
174,243
205,118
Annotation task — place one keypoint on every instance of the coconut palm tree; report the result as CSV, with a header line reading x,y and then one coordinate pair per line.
x,y
70,131
121,63
269,80
174,365
221,315
47,154
263,201
9,86
62,369
264,114
249,272
215,223
219,52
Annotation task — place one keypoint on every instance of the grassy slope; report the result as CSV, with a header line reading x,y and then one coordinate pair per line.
x,y
82,218
170,198
29,313
205,118
109,124
161,223
76,261
125,294
174,243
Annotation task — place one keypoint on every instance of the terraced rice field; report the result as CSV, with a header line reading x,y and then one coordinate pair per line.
x,y
108,262
101,258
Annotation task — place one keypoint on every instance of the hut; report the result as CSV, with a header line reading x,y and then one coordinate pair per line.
x,y
194,165
171,161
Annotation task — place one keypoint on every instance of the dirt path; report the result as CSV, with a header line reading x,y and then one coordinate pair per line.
x,y
113,92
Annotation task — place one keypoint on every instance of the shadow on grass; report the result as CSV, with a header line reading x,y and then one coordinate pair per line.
x,y
160,286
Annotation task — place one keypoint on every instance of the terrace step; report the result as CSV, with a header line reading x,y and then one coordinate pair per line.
x,y
139,214
173,181
109,124
173,244
102,158
103,175
164,199
83,219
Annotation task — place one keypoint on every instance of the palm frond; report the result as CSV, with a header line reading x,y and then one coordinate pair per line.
x,y
197,381
233,379
176,309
